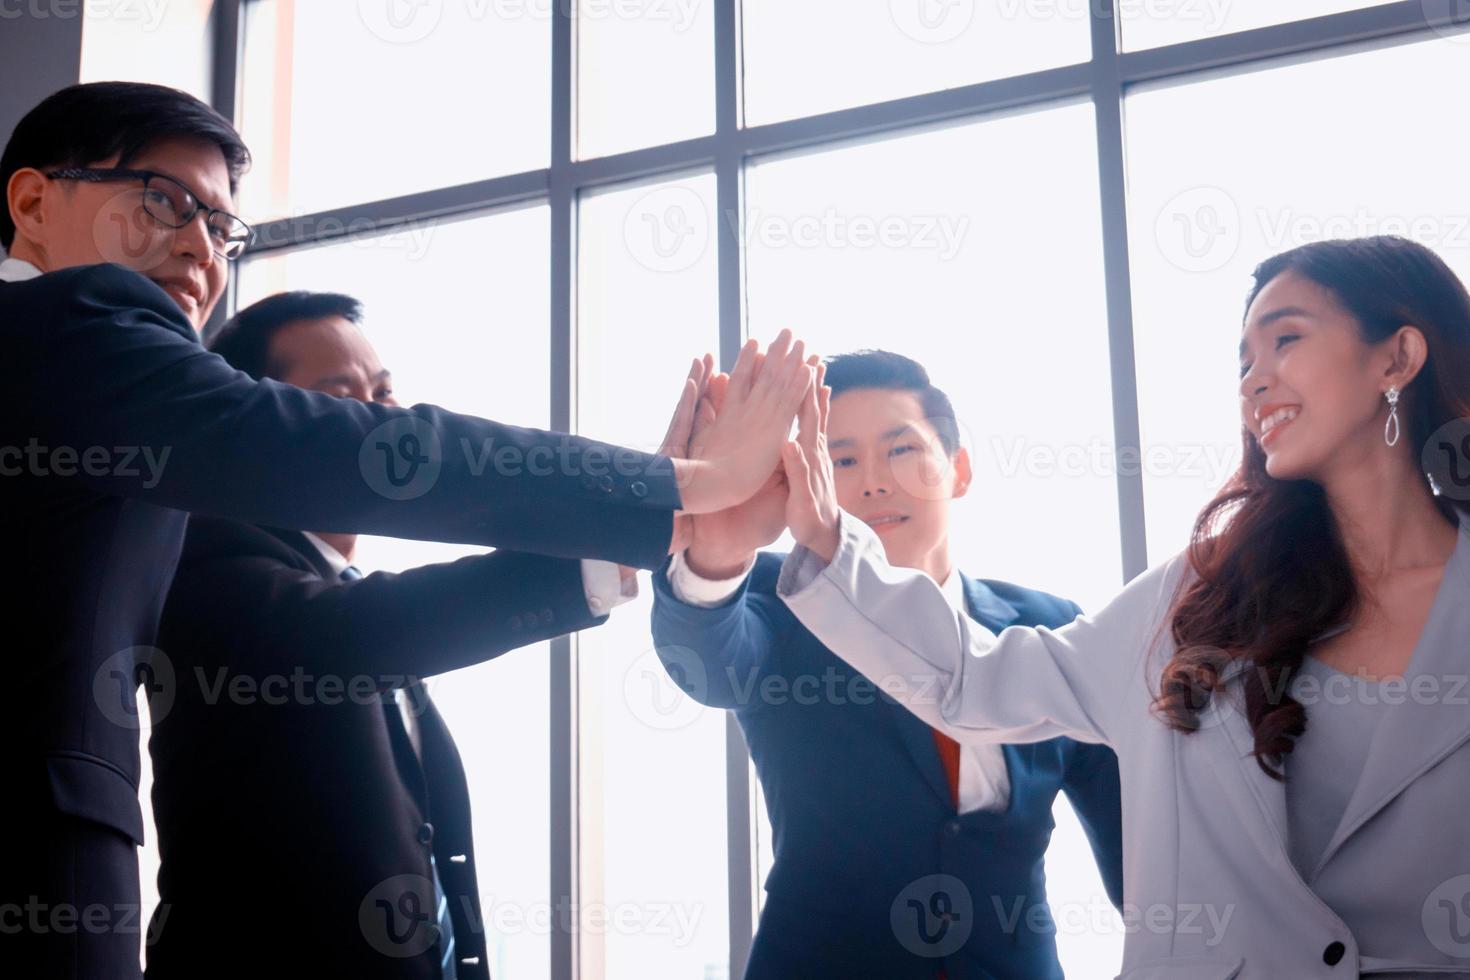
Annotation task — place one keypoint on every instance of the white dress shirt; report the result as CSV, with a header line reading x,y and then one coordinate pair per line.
x,y
17,270
985,783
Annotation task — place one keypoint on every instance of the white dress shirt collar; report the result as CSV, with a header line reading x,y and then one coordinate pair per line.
x,y
17,270
334,558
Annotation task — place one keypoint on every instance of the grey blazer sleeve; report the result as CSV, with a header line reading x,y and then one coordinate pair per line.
x,y
1085,680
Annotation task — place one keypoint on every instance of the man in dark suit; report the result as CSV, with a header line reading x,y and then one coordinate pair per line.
x,y
287,815
898,853
115,422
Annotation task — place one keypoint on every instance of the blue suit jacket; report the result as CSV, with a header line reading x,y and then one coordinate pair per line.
x,y
875,873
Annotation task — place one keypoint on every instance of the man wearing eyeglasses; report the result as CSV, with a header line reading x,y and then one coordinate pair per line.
x,y
118,226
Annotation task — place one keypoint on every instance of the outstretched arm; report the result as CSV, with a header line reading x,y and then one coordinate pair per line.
x,y
896,626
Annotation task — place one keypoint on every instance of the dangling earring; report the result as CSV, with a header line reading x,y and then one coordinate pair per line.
x,y
1392,425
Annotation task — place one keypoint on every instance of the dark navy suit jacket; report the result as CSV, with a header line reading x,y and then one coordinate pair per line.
x,y
875,873
104,370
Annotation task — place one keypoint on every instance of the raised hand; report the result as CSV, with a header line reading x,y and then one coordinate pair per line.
x,y
736,455
692,397
725,542
811,500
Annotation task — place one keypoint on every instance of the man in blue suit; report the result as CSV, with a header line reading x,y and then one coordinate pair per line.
x,y
897,853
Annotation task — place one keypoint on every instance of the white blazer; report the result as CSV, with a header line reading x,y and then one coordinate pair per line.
x,y
1210,893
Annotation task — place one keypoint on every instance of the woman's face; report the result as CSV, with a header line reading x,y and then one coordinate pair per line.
x,y
1311,389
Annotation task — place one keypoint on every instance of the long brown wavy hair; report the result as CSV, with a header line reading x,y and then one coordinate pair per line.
x,y
1272,570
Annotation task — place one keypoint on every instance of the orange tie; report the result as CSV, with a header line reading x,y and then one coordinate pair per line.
x,y
949,758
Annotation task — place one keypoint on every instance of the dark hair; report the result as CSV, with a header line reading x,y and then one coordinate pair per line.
x,y
884,370
82,125
245,339
1273,569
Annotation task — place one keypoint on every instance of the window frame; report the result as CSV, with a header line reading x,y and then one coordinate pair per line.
x,y
1105,80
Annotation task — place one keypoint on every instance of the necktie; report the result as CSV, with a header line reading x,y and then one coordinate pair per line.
x,y
393,714
949,758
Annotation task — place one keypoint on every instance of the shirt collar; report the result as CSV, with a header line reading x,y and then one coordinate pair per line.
x,y
17,270
333,557
954,590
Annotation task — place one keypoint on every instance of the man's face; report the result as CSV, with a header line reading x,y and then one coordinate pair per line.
x,y
84,223
330,354
893,472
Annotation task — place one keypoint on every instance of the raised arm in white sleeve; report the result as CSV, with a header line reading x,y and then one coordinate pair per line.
x,y
1085,680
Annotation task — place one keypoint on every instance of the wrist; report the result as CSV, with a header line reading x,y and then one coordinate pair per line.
x,y
714,564
825,542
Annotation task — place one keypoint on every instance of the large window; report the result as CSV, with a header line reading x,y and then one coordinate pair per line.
x,y
1055,204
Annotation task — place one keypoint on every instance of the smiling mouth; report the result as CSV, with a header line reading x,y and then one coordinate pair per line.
x,y
883,523
180,295
1272,430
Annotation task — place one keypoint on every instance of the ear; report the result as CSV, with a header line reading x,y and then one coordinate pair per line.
x,y
964,472
25,195
1407,350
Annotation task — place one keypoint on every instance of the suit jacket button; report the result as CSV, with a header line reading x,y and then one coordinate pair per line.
x,y
426,833
606,483
639,488
1333,954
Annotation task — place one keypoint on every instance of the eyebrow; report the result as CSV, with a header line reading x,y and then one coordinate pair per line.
x,y
228,207
893,433
346,379
1272,317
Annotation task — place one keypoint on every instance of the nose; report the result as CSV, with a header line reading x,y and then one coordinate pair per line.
x,y
1254,383
874,483
192,241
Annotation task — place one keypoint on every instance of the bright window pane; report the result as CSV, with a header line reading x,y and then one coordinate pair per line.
x,y
977,251
485,354
652,760
1152,23
645,73
346,103
820,55
1227,172
165,43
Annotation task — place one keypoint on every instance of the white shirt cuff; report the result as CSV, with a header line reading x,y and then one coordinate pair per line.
x,y
702,593
603,583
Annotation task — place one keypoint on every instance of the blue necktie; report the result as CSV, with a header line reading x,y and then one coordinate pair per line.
x,y
441,901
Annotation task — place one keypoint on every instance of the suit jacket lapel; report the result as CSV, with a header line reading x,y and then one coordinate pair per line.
x,y
1227,741
995,614
1420,731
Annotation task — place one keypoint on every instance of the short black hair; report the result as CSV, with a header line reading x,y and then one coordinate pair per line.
x,y
884,370
245,339
82,125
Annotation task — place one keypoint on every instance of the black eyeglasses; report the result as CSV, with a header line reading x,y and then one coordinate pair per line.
x,y
172,205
